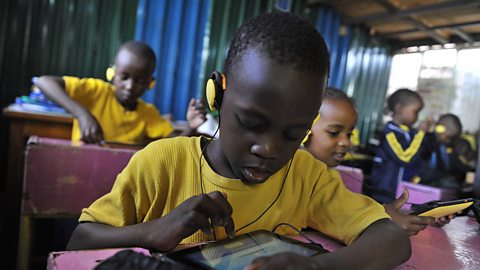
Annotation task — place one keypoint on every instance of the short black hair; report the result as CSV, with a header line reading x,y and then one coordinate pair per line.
x,y
337,94
139,49
451,122
285,38
402,96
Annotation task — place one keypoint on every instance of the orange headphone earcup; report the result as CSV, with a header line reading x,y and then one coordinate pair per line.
x,y
151,84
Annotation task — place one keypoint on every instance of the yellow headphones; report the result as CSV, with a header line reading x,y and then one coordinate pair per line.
x,y
305,140
216,86
110,73
440,129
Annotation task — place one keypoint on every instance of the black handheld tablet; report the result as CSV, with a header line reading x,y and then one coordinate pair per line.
x,y
238,252
441,208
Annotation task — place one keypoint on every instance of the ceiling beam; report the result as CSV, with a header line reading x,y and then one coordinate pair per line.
x,y
387,5
388,16
456,25
422,27
459,32
399,44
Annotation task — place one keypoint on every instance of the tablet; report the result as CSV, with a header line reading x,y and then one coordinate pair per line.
x,y
441,208
237,253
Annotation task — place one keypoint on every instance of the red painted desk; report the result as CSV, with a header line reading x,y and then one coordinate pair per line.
x,y
455,246
61,178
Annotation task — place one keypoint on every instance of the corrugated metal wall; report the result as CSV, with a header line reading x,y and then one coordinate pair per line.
x,y
75,37
337,37
175,29
366,79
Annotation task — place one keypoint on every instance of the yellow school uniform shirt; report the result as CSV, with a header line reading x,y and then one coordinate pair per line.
x,y
118,124
166,173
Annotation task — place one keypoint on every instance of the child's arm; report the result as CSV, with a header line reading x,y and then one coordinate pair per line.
x,y
54,88
162,234
383,245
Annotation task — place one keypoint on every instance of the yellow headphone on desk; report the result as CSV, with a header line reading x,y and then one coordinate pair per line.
x,y
110,73
216,86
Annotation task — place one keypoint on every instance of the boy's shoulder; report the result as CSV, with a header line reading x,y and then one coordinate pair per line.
x,y
172,146
87,80
87,84
306,161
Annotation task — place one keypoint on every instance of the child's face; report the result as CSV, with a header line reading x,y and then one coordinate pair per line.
x,y
266,112
132,77
330,138
408,114
448,136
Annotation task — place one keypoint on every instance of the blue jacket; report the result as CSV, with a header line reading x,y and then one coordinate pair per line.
x,y
398,158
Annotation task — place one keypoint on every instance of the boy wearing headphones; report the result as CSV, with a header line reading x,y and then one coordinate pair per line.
x,y
114,112
185,190
442,166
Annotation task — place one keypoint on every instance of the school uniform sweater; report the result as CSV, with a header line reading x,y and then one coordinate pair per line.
x,y
398,158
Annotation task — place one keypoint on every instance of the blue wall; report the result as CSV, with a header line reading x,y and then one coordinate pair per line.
x,y
175,29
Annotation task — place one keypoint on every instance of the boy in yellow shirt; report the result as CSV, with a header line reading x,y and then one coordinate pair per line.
x,y
185,190
114,112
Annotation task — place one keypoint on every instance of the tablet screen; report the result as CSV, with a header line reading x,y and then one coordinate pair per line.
x,y
236,253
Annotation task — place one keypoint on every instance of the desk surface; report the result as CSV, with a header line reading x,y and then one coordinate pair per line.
x,y
15,111
455,246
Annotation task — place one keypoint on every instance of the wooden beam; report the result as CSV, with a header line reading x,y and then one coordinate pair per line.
x,y
388,16
459,32
455,25
420,26
399,44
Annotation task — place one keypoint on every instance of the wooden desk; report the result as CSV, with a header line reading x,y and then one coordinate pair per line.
x,y
455,246
24,124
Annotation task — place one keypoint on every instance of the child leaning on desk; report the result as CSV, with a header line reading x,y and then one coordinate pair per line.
x,y
193,189
113,111
330,141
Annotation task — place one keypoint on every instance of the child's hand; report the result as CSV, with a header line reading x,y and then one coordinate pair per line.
x,y
410,223
285,260
426,125
441,221
192,215
196,114
90,130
